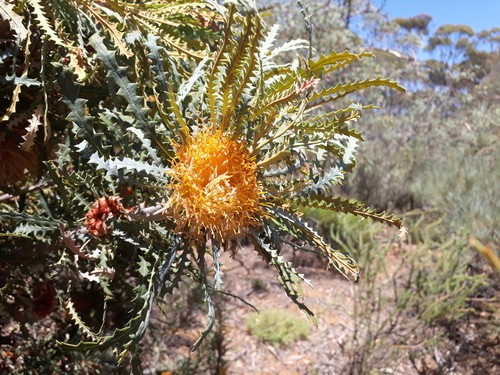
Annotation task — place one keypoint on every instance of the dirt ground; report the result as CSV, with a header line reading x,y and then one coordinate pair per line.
x,y
339,344
323,352
329,300
329,347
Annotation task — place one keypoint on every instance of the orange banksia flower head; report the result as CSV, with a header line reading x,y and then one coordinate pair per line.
x,y
15,162
103,209
214,187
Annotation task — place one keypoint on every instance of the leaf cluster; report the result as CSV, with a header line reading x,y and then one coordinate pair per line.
x,y
137,84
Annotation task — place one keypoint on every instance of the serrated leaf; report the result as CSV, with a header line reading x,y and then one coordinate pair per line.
x,y
296,227
15,20
78,320
135,328
31,129
110,29
334,61
288,277
144,266
276,153
77,106
17,89
113,165
217,268
321,183
347,206
292,45
27,218
45,24
340,90
292,166
23,80
186,87
145,142
34,230
118,75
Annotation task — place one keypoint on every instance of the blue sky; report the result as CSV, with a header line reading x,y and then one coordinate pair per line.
x,y
478,14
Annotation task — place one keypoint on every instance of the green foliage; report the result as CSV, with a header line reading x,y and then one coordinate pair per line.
x,y
432,150
38,354
103,201
424,287
172,326
277,327
258,284
458,180
97,99
441,296
418,23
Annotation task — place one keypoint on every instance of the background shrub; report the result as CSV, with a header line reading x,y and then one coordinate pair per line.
x,y
277,327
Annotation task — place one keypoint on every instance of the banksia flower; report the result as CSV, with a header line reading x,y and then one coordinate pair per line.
x,y
103,209
263,153
234,154
214,188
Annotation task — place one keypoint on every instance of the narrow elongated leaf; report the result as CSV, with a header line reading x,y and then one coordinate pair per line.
x,y
330,94
289,278
327,63
118,75
109,27
45,24
347,206
113,165
293,225
15,20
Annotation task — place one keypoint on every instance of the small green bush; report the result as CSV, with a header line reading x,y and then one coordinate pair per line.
x,y
277,327
258,284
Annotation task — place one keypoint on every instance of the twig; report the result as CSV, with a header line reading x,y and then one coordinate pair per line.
x,y
237,297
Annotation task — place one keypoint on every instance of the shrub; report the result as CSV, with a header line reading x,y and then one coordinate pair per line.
x,y
277,327
416,292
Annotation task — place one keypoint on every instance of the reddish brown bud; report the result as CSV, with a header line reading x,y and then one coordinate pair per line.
x,y
103,209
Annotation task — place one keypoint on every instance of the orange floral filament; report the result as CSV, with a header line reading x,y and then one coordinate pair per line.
x,y
214,188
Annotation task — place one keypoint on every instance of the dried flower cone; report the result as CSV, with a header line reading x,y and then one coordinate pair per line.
x,y
102,210
15,162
